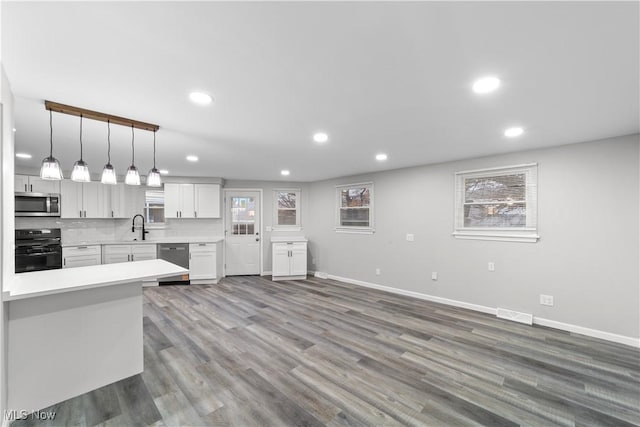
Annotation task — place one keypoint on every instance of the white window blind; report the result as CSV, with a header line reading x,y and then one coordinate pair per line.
x,y
497,204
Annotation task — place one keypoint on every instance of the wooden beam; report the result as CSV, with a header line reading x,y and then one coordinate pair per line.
x,y
95,115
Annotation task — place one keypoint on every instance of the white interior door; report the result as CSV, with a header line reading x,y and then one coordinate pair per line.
x,y
242,232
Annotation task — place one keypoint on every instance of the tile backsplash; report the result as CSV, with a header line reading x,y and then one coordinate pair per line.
x,y
96,230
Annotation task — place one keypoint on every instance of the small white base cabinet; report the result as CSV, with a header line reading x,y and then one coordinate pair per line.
x,y
205,266
289,258
81,256
127,253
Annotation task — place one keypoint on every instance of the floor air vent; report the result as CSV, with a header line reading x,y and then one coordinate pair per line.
x,y
515,316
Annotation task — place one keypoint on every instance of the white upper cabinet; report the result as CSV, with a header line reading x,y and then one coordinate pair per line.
x,y
207,200
191,200
126,201
34,184
84,200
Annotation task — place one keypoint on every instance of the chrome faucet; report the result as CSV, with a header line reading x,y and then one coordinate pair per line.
x,y
133,225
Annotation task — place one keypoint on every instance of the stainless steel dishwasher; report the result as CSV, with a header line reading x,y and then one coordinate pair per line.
x,y
175,253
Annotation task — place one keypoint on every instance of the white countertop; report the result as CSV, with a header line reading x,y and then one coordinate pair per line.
x,y
146,242
280,239
48,282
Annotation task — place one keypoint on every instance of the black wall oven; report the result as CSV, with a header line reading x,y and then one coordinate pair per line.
x,y
38,249
37,204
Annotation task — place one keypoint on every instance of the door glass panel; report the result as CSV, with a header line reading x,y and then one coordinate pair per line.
x,y
243,215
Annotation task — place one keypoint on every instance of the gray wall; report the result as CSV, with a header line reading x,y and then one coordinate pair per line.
x,y
267,188
587,256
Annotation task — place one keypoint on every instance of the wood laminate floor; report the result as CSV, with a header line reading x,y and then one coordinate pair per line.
x,y
252,352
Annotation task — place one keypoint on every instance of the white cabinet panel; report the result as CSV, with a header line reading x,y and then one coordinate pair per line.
x,y
143,252
34,184
207,200
128,253
191,200
289,260
71,199
81,256
84,200
124,200
202,261
21,184
298,259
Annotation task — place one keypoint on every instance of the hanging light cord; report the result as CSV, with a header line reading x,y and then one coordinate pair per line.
x,y
109,141
133,147
154,149
51,134
80,137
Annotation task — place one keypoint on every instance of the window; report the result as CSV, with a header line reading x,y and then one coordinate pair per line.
x,y
497,204
286,215
243,215
355,208
154,207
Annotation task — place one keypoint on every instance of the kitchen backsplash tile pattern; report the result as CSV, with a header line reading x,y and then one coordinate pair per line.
x,y
98,230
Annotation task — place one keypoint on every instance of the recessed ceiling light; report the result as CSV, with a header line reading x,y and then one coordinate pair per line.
x,y
200,98
486,84
320,137
164,171
23,155
192,158
513,132
284,172
381,157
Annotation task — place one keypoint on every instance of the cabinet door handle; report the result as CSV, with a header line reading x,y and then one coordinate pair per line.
x,y
195,214
81,214
31,187
25,188
64,261
111,214
83,247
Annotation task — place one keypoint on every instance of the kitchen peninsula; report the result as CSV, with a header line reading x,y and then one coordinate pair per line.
x,y
74,330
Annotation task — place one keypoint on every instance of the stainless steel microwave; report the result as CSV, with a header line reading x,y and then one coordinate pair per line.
x,y
37,204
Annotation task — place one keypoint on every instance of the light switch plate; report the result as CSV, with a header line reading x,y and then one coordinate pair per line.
x,y
410,237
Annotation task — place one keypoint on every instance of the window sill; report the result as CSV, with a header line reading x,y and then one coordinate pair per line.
x,y
498,235
156,226
355,230
286,228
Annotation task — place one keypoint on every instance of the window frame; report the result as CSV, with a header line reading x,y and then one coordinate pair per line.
x,y
154,225
339,228
526,234
284,227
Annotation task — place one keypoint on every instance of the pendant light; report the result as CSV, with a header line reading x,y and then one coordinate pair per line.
x,y
50,168
153,177
80,172
133,177
108,173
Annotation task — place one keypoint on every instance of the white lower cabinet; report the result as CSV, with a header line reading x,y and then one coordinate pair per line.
x,y
205,266
289,260
126,253
81,256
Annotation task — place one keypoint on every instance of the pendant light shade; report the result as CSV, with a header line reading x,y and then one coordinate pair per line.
x,y
133,176
108,173
50,168
80,172
153,177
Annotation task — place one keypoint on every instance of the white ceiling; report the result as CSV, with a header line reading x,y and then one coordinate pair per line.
x,y
376,76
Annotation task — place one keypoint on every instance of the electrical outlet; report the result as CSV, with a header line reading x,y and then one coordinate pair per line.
x,y
546,300
434,275
377,271
410,237
491,266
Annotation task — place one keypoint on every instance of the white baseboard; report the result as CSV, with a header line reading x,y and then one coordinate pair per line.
x,y
595,333
418,295
608,336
